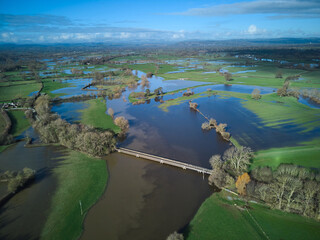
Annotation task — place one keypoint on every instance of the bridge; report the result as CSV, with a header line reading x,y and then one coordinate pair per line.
x,y
163,160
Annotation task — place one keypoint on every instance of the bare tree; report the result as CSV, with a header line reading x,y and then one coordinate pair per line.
x,y
227,76
238,159
122,123
293,187
310,189
111,112
175,236
256,94
278,74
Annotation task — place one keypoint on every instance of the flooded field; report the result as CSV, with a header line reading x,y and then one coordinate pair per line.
x,y
145,200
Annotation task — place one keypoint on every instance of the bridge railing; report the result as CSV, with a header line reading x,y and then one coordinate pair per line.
x,y
164,160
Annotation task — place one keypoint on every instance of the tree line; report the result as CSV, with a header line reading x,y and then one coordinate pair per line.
x,y
52,129
289,188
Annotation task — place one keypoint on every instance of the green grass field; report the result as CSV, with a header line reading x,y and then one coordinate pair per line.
x,y
150,67
264,76
95,115
274,111
219,218
306,155
3,123
16,91
50,86
19,122
79,178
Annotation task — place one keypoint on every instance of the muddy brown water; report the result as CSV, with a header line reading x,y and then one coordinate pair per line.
x,y
144,200
24,215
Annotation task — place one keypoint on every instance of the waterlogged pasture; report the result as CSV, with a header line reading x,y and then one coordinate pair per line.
x,y
280,130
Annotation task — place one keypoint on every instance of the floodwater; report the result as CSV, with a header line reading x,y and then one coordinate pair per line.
x,y
309,102
69,111
144,200
24,215
76,88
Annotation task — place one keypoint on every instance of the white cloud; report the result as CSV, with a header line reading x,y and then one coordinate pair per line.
x,y
180,34
107,35
124,35
252,29
279,8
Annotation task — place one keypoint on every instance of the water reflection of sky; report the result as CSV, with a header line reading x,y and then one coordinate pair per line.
x,y
76,89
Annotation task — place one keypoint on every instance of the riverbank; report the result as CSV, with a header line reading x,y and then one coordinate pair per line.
x,y
80,178
223,216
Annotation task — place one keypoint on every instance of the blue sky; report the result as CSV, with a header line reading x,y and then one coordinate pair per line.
x,y
59,21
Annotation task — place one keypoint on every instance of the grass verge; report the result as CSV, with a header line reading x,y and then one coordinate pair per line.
x,y
219,218
79,178
19,122
18,91
95,115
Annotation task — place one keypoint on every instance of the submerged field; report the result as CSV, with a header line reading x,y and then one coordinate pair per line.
x,y
82,179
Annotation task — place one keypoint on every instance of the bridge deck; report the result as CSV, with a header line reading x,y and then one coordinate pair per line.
x,y
163,160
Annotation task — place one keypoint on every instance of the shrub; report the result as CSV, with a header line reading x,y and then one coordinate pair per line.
x,y
256,94
193,105
122,123
206,126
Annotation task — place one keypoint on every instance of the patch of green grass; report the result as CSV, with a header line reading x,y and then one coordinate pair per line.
x,y
95,115
3,147
264,76
219,218
12,92
177,101
19,122
276,112
306,155
79,178
50,86
3,123
151,67
16,83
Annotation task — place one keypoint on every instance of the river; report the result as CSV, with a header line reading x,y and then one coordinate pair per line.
x,y
143,200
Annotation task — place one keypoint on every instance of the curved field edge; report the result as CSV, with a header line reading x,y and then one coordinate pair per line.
x,y
95,115
306,155
274,111
222,216
80,178
19,122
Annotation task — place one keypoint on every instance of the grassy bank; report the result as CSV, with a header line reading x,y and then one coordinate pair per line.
x,y
18,91
95,115
79,178
306,155
49,86
219,218
151,67
3,123
19,122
